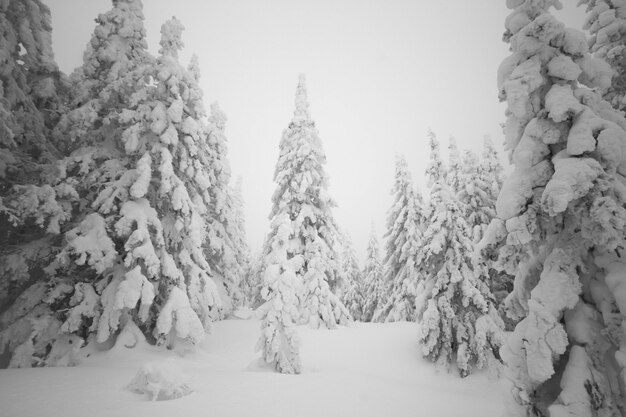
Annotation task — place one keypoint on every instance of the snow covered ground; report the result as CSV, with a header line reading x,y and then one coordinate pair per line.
x,y
365,370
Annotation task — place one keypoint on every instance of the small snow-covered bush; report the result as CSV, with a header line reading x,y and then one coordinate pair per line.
x,y
161,381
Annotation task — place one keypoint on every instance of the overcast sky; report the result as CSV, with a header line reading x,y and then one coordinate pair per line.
x,y
379,74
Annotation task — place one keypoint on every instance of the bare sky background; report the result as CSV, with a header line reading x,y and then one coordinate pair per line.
x,y
379,74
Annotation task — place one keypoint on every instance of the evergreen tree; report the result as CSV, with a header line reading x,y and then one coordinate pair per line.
x,y
32,96
30,88
453,173
226,249
492,168
475,195
133,194
301,195
457,316
254,281
279,341
404,234
605,22
563,210
116,63
373,280
241,251
352,292
484,181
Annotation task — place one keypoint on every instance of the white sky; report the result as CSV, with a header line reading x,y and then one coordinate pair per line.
x,y
379,74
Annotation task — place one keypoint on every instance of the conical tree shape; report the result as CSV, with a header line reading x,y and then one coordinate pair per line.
x,y
476,195
373,280
562,208
116,63
301,195
225,249
457,317
279,341
483,181
352,292
132,253
405,223
240,266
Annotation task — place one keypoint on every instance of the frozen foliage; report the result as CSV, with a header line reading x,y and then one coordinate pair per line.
x,y
561,219
239,267
483,180
31,100
606,22
373,280
301,195
115,65
405,224
457,318
30,84
253,282
352,291
279,341
160,381
126,212
226,250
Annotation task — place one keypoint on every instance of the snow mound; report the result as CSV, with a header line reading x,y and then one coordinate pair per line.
x,y
161,381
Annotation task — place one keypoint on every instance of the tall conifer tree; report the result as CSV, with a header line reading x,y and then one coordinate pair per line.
x,y
373,279
302,196
457,317
405,223
563,210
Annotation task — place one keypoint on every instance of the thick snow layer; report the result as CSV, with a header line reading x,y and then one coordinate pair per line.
x,y
365,370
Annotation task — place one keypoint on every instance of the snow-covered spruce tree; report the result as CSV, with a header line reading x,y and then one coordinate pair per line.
x,y
492,168
226,249
563,210
30,83
405,222
241,250
484,180
254,281
279,341
116,63
476,195
32,94
606,22
352,292
301,195
132,254
456,315
453,173
31,100
373,280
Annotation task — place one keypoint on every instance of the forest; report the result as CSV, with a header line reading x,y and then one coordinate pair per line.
x,y
123,235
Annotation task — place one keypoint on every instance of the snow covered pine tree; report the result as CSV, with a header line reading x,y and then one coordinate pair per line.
x,y
225,248
130,200
373,281
32,96
454,305
564,208
352,292
405,223
301,195
279,341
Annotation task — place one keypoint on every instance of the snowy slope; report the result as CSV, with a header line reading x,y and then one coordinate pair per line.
x,y
366,370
